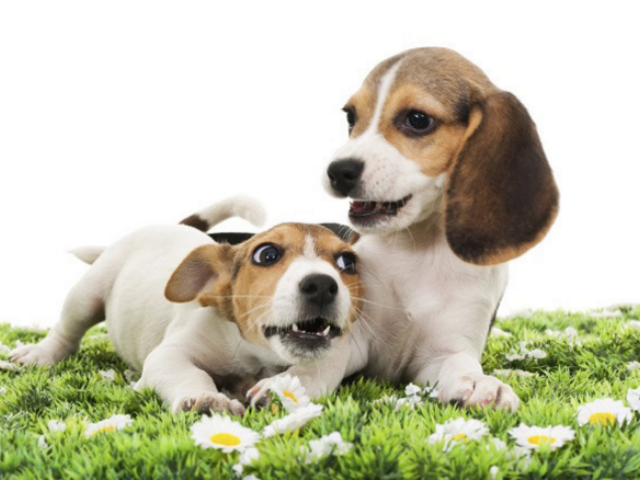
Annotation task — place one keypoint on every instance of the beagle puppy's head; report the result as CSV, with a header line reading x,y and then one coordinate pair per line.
x,y
294,289
429,133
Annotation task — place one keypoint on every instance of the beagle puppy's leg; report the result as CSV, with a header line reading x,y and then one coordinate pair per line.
x,y
459,379
82,309
170,370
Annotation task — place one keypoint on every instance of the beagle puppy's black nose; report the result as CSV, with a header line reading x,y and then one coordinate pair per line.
x,y
319,289
345,175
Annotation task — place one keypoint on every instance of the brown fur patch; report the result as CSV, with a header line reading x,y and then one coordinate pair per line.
x,y
501,196
196,222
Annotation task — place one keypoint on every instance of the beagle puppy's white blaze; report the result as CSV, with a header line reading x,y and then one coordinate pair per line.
x,y
448,182
199,318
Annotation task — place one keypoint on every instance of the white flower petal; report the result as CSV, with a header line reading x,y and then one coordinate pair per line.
x,y
116,422
290,392
222,433
458,431
56,426
633,366
42,443
604,411
532,437
412,389
633,397
331,444
293,421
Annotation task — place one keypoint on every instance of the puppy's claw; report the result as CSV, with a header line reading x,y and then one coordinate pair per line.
x,y
208,402
479,391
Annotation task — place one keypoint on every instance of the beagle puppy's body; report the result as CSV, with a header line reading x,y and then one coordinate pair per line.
x,y
196,317
449,182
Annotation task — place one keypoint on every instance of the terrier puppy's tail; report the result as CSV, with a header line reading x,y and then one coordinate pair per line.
x,y
240,206
88,254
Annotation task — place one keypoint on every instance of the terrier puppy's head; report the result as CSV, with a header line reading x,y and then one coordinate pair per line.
x,y
294,289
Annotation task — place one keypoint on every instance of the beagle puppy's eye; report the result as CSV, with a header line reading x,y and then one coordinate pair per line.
x,y
351,117
346,262
415,123
266,254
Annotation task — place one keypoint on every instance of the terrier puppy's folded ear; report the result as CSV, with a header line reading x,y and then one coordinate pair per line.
x,y
205,264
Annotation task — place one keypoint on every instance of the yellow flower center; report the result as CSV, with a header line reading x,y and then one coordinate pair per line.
x,y
460,437
604,418
290,395
538,439
225,439
106,429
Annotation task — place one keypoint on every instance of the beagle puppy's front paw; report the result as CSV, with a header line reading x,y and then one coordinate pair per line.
x,y
479,391
208,402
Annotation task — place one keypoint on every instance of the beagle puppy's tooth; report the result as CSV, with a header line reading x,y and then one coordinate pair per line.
x,y
448,180
203,321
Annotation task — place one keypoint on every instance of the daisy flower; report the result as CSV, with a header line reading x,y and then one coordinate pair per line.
x,y
42,443
290,392
533,437
456,431
294,420
108,374
517,454
604,411
222,433
525,352
412,389
56,426
499,333
633,366
111,424
411,402
246,457
606,313
633,397
3,390
331,444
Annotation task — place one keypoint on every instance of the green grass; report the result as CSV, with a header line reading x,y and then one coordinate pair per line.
x,y
388,444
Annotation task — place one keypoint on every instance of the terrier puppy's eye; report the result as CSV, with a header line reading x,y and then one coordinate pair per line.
x,y
351,117
346,262
266,254
416,123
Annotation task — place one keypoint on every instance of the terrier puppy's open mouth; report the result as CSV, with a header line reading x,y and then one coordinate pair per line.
x,y
312,331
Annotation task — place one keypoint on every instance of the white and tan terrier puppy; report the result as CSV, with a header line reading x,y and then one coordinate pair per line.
x,y
196,317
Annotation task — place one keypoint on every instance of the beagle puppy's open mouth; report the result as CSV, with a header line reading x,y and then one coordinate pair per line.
x,y
369,213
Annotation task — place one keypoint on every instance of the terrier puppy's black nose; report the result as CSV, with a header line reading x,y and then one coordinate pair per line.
x,y
345,174
319,289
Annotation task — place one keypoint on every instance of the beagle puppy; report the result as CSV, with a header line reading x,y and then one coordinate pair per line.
x,y
198,317
448,182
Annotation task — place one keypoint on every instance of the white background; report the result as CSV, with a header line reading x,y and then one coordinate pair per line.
x,y
118,114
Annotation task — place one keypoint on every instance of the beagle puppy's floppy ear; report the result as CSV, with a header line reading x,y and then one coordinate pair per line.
x,y
203,265
501,197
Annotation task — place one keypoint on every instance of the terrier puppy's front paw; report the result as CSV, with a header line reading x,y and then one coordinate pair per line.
x,y
37,354
479,391
207,402
258,395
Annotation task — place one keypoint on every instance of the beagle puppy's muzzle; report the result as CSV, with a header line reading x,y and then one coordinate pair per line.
x,y
448,181
198,317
